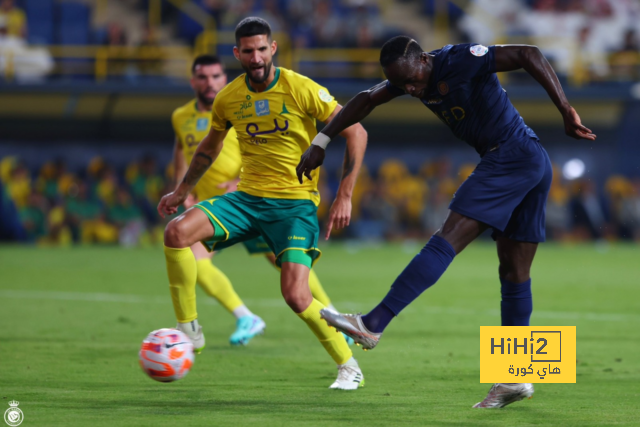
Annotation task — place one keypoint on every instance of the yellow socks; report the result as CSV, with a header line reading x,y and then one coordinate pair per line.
x,y
182,272
331,340
317,290
217,284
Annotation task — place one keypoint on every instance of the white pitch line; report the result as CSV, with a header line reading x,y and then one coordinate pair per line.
x,y
272,302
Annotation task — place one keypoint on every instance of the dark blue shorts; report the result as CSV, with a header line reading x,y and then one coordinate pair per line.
x,y
508,191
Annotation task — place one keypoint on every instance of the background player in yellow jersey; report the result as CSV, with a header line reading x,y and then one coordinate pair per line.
x,y
191,123
274,112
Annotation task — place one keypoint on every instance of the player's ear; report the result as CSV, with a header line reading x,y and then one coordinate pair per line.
x,y
236,52
274,47
423,57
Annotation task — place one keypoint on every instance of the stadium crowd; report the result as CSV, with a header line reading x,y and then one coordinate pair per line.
x,y
590,40
100,204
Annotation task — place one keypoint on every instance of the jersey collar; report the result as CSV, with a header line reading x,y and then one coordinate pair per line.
x,y
271,85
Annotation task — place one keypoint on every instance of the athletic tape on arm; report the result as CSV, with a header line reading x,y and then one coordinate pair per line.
x,y
321,140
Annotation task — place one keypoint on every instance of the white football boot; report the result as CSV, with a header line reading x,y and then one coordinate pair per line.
x,y
352,326
503,394
194,331
350,376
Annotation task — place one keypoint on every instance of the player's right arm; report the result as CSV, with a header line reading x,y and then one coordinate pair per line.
x,y
206,153
358,107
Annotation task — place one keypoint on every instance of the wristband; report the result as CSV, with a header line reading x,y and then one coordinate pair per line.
x,y
321,140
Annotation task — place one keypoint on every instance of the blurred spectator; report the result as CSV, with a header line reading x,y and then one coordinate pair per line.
x,y
625,62
366,29
127,217
19,61
119,65
557,215
147,186
379,216
19,185
629,214
328,28
236,11
14,18
116,35
273,16
33,216
86,217
589,220
151,54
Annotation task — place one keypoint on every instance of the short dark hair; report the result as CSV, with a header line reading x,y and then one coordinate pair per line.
x,y
205,60
397,48
252,26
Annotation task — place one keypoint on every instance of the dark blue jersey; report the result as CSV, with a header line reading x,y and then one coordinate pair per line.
x,y
464,92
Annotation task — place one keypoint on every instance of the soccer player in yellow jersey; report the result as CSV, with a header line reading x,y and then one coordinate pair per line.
x,y
191,124
273,111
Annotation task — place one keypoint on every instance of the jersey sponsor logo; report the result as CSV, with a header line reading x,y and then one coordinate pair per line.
x,y
190,140
443,87
297,238
202,124
254,130
455,114
242,112
479,50
262,108
325,96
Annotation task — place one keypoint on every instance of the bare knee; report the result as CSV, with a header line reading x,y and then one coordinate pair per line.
x,y
175,235
296,300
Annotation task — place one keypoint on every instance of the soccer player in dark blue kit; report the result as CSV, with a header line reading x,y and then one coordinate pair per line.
x,y
507,191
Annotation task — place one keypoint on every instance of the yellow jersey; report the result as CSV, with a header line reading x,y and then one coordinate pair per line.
x,y
191,126
15,21
274,128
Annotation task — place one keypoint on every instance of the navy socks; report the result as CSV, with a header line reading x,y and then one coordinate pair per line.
x,y
422,272
517,304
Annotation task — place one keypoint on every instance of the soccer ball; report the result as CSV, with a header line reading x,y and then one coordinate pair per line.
x,y
166,355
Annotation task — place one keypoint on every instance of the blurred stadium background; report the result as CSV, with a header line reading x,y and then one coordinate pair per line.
x,y
87,88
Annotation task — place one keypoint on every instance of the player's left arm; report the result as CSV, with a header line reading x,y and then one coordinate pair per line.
x,y
356,136
530,59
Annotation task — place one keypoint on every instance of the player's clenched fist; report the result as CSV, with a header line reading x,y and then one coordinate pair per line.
x,y
169,203
310,160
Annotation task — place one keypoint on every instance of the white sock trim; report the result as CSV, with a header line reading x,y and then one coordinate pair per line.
x,y
241,311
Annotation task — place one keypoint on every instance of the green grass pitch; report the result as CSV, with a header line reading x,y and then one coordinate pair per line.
x,y
73,319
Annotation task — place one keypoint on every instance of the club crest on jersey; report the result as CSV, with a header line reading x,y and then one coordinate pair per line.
x,y
202,124
479,50
443,88
262,108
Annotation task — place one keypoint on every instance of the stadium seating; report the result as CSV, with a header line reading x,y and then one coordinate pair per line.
x,y
40,16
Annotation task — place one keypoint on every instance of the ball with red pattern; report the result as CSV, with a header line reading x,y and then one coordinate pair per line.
x,y
166,355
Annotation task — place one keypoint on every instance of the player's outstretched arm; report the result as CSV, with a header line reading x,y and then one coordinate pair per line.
x,y
205,155
353,112
529,58
340,212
